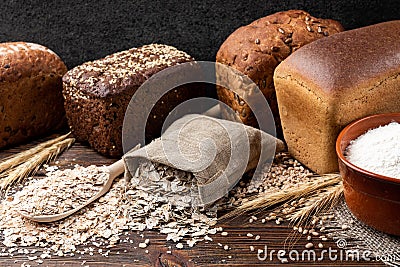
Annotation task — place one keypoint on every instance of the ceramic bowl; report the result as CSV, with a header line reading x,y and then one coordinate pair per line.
x,y
372,198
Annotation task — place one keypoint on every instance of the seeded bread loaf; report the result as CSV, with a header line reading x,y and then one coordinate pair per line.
x,y
31,101
97,94
329,83
256,49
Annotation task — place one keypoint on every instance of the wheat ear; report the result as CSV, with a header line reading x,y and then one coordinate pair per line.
x,y
268,199
14,160
319,203
25,164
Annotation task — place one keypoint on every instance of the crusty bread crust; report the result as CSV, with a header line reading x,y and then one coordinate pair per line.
x,y
256,50
97,94
31,101
333,81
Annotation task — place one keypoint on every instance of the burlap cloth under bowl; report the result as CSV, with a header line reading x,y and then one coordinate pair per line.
x,y
371,244
218,152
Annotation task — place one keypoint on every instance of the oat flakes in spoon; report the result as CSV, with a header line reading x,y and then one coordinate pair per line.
x,y
64,192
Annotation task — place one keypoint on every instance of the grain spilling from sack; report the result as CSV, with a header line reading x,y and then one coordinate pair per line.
x,y
162,204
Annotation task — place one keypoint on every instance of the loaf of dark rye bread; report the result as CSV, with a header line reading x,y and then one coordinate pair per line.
x,y
97,94
256,50
31,102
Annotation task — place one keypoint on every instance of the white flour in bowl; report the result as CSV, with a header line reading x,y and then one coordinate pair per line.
x,y
377,151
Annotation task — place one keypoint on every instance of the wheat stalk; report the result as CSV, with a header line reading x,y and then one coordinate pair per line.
x,y
30,165
268,199
322,201
15,160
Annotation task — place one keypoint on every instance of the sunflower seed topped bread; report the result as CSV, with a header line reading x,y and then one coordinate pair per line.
x,y
333,81
256,49
31,101
97,94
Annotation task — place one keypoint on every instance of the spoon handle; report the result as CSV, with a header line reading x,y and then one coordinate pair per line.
x,y
116,168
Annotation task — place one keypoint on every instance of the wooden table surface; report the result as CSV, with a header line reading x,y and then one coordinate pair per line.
x,y
273,237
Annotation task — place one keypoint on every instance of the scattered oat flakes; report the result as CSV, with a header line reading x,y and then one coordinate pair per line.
x,y
207,238
32,258
157,197
142,245
61,190
162,202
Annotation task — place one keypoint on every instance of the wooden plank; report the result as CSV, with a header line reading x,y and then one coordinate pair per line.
x,y
273,237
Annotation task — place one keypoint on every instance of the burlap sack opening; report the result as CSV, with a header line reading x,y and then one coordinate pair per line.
x,y
218,152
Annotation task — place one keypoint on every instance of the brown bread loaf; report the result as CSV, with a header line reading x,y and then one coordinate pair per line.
x,y
256,50
97,94
31,101
333,81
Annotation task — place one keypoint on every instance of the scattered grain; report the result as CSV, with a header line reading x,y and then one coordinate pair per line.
x,y
142,245
309,245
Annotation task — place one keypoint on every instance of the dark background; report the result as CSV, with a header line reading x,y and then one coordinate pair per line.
x,y
81,30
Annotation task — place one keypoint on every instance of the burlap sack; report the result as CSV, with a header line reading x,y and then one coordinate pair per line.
x,y
217,152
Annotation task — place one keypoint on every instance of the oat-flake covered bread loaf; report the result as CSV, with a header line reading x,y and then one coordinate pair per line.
x,y
31,102
331,82
97,94
256,49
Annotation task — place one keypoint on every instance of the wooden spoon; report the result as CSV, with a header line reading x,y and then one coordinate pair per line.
x,y
114,171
